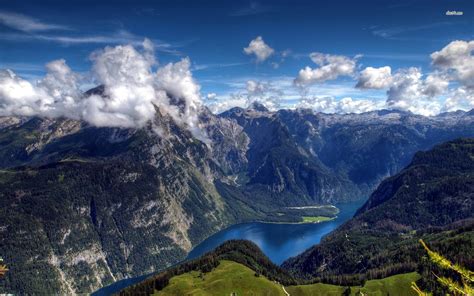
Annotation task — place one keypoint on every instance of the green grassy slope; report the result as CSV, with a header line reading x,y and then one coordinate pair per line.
x,y
231,277
394,285
228,277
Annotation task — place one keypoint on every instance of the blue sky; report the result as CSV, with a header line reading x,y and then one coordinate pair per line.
x,y
213,34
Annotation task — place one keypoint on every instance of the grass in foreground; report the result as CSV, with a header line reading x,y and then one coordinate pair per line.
x,y
227,278
231,277
316,219
394,285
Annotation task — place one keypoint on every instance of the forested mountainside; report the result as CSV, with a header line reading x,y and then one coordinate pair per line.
x,y
432,198
87,205
240,251
240,267
82,205
357,150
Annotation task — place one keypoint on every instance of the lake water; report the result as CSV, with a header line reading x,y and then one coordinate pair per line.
x,y
278,241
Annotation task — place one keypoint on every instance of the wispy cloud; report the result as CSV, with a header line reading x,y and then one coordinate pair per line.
x,y
120,37
36,30
394,32
25,23
199,67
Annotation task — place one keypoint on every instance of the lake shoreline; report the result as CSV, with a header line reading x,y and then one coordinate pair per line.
x,y
288,222
308,232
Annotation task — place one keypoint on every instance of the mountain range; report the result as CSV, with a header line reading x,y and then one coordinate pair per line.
x,y
84,206
376,252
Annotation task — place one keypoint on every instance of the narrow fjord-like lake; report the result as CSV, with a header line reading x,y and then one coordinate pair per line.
x,y
278,241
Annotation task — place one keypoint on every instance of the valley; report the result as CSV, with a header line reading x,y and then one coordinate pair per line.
x,y
278,241
251,147
377,251
133,193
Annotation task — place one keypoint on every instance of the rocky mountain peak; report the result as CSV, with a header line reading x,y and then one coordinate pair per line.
x,y
258,107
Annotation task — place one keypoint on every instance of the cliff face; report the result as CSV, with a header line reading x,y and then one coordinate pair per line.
x,y
92,203
83,206
354,151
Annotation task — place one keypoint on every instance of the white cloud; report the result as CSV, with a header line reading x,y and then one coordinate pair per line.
x,y
375,78
177,80
25,23
457,58
62,84
247,92
330,68
344,105
130,91
410,92
20,97
459,99
435,84
221,105
406,87
211,96
255,88
259,48
120,37
263,93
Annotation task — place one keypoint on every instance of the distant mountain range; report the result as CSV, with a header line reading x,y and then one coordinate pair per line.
x,y
432,199
83,206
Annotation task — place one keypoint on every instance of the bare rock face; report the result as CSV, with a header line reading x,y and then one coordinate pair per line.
x,y
89,206
349,153
82,206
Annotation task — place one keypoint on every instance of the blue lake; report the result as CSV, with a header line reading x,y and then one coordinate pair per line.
x,y
278,241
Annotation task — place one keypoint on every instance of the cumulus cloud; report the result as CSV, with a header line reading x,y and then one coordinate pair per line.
x,y
25,23
435,84
131,90
375,78
176,79
458,59
255,88
252,91
405,88
330,68
211,96
344,105
259,48
235,100
20,97
264,93
409,91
